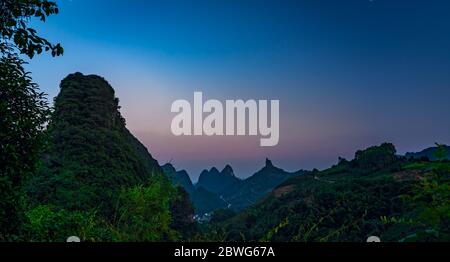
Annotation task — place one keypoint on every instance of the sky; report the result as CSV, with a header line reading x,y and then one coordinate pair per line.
x,y
348,74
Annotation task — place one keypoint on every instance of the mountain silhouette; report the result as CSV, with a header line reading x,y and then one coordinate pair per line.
x,y
252,189
178,178
219,189
215,181
427,153
204,200
91,154
346,202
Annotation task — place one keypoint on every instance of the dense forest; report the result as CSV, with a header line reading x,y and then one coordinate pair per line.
x,y
74,169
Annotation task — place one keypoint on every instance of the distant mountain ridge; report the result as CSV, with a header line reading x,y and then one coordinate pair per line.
x,y
204,200
218,189
178,178
216,181
428,153
252,189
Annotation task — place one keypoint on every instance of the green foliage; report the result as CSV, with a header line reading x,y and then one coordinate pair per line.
x,y
91,154
275,230
47,223
395,220
143,213
350,203
441,152
91,157
94,163
182,211
431,197
376,157
414,165
24,112
24,109
14,31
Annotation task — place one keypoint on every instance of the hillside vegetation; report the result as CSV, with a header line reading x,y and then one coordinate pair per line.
x,y
377,193
97,181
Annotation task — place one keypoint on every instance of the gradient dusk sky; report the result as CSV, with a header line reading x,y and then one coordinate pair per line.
x,y
348,74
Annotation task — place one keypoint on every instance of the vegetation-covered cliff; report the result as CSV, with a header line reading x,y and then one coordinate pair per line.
x,y
97,180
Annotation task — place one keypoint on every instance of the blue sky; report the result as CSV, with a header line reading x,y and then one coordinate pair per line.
x,y
348,74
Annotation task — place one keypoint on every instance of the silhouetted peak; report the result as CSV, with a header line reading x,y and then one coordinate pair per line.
x,y
183,173
86,125
81,76
228,170
214,170
268,163
168,168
